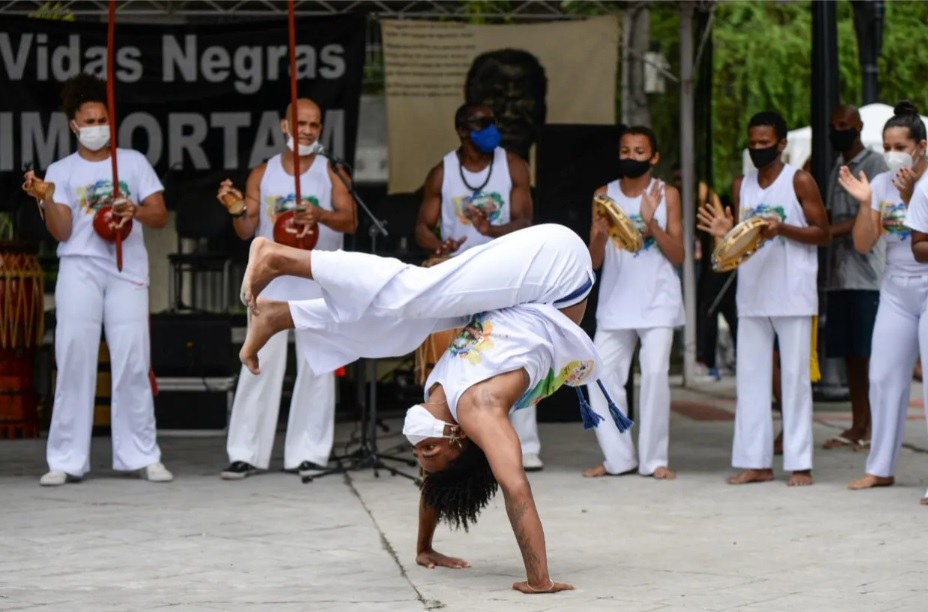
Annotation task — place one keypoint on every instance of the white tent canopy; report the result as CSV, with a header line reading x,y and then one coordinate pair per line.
x,y
799,141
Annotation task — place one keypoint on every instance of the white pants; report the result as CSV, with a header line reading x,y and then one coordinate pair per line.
x,y
616,348
901,325
753,443
525,422
311,426
86,297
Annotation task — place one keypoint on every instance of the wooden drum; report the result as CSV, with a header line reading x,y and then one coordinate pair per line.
x,y
431,351
22,329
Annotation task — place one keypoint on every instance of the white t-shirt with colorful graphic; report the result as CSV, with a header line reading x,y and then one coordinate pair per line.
x,y
491,193
638,290
86,186
539,338
885,198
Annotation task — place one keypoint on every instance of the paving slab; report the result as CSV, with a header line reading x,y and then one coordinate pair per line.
x,y
347,542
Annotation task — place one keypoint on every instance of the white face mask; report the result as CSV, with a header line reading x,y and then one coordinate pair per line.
x,y
897,160
94,137
310,149
420,424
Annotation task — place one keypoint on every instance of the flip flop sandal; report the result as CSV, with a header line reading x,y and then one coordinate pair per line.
x,y
829,444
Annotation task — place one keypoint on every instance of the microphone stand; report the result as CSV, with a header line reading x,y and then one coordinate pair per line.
x,y
367,455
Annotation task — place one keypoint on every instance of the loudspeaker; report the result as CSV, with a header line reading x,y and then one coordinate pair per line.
x,y
191,345
571,162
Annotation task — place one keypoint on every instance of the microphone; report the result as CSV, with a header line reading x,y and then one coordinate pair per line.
x,y
334,159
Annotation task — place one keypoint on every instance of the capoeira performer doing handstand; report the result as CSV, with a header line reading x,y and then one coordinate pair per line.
x,y
529,288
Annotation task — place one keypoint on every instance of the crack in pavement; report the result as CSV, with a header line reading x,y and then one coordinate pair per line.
x,y
428,604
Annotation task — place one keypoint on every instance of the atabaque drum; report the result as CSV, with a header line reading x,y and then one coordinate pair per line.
x,y
294,235
431,351
22,329
104,222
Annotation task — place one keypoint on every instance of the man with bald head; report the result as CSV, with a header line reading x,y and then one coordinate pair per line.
x,y
478,192
328,205
854,279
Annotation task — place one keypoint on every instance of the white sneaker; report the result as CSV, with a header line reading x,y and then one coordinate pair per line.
x,y
531,462
56,478
157,473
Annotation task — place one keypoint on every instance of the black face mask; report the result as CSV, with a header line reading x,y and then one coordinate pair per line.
x,y
633,168
842,140
763,157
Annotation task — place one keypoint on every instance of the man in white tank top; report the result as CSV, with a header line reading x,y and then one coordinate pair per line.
x,y
640,299
777,297
270,192
478,192
92,292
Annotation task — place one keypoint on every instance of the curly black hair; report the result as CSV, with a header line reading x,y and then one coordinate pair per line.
x,y
459,492
79,89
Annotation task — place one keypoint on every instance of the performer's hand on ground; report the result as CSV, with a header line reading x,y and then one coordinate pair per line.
x,y
551,587
709,221
432,559
650,200
857,188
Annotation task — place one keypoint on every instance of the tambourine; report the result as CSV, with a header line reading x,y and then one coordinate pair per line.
x,y
288,233
622,230
739,244
40,189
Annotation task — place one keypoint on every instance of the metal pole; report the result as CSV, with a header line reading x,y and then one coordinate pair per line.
x,y
687,166
825,98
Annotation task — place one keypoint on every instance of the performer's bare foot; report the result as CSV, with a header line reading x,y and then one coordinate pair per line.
x,y
600,470
801,478
748,476
274,317
663,473
596,472
259,272
869,481
924,501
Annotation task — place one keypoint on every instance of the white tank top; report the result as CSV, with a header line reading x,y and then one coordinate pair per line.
x,y
277,195
780,280
886,199
638,290
490,196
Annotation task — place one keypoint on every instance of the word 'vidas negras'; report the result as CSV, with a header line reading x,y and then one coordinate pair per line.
x,y
179,59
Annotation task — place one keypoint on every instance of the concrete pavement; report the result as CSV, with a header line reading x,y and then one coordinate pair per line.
x,y
348,542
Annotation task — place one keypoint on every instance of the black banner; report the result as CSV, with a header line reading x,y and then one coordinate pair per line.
x,y
199,99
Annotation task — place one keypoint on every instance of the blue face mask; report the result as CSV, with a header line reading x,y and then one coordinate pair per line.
x,y
486,140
